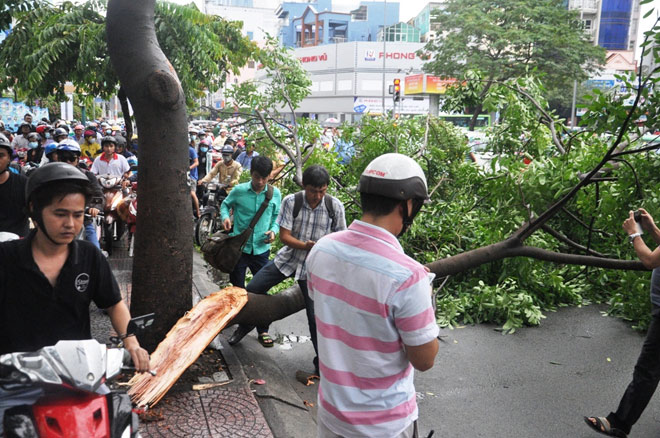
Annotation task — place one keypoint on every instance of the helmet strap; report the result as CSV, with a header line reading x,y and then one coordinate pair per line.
x,y
38,218
409,216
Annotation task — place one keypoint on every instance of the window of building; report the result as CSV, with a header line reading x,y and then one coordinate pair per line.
x,y
359,14
587,24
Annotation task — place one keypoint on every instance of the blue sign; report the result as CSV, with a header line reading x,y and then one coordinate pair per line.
x,y
601,84
360,109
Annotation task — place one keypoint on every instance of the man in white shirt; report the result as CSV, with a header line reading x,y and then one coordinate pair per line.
x,y
109,162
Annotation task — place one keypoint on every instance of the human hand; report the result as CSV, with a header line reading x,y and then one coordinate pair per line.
x,y
309,244
629,225
139,355
226,224
270,237
125,183
647,221
93,212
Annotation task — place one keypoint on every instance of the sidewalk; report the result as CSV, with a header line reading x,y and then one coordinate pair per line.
x,y
230,410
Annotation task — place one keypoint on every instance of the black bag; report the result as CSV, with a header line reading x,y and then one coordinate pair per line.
x,y
223,251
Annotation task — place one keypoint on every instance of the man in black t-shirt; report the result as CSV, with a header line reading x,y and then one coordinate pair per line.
x,y
48,279
13,218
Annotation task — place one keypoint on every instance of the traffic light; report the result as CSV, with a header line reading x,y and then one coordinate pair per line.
x,y
397,90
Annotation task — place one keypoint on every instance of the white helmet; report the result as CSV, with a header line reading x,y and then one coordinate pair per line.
x,y
394,176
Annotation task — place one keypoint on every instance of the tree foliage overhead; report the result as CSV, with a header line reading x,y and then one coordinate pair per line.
x,y
510,38
52,44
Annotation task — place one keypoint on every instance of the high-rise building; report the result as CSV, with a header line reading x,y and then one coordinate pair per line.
x,y
612,24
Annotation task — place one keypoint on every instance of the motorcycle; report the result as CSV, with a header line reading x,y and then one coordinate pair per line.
x,y
65,390
209,220
114,195
127,211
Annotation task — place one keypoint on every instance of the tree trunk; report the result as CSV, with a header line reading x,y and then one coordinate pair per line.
x,y
123,101
264,309
163,245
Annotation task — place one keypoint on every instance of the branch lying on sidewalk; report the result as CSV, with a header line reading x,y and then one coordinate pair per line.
x,y
185,342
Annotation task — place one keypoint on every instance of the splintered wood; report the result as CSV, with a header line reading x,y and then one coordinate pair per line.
x,y
185,342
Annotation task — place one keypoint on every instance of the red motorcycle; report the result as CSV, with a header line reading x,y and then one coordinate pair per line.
x,y
65,390
113,226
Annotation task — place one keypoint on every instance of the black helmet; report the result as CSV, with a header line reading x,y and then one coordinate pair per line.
x,y
50,173
227,150
5,143
60,132
108,139
20,127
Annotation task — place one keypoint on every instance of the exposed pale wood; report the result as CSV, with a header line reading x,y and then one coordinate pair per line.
x,y
185,342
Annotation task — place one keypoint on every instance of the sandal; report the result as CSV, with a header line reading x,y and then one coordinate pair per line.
x,y
602,425
265,340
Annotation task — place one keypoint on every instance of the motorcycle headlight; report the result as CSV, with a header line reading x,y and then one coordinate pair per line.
x,y
212,186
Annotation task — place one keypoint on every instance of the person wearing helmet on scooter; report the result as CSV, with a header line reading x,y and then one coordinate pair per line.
x,y
111,163
68,151
50,278
228,171
78,134
373,309
60,134
35,149
89,146
50,154
20,140
13,218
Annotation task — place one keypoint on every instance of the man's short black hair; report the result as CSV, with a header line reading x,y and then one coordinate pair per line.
x,y
262,165
315,176
378,205
46,195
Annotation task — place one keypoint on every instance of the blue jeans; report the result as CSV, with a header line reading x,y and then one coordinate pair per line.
x,y
90,234
253,261
268,277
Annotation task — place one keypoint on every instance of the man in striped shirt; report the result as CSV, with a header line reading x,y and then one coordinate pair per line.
x,y
374,317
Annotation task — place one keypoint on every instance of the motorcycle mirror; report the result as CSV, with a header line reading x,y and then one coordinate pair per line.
x,y
140,323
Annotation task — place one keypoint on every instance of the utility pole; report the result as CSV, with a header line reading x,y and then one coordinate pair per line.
x,y
384,52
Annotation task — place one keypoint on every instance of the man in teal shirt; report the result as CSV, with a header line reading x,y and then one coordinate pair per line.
x,y
245,200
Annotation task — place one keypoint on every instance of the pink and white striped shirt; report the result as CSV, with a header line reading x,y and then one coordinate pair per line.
x,y
370,299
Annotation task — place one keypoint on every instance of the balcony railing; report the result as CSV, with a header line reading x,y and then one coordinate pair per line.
x,y
589,6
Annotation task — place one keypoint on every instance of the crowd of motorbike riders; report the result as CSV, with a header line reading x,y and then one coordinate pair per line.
x,y
102,151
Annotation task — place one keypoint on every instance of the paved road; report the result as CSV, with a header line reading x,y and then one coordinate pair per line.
x,y
536,383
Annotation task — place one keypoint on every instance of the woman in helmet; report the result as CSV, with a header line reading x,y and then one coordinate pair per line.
x,y
49,278
35,150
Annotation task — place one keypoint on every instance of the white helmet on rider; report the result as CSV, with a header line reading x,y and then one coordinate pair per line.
x,y
398,177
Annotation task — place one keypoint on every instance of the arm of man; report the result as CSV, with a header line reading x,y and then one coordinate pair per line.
x,y
209,176
119,316
292,242
422,356
227,205
650,258
236,176
194,164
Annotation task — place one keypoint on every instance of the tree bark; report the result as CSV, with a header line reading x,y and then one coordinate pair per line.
x,y
162,241
128,122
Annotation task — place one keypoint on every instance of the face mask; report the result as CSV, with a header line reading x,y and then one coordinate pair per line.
x,y
33,144
108,131
48,135
226,158
203,149
197,140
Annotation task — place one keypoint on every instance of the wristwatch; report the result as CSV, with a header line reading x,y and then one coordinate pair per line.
x,y
632,237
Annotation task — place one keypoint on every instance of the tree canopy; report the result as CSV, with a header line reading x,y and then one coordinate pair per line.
x,y
52,44
510,38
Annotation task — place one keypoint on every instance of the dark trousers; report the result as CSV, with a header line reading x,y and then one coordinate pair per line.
x,y
268,277
253,261
645,379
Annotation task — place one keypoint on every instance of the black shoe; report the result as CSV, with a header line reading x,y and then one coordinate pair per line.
x,y
239,334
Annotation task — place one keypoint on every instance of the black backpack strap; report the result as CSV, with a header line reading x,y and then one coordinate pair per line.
x,y
297,203
331,210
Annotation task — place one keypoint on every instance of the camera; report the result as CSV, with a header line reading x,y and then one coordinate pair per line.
x,y
638,219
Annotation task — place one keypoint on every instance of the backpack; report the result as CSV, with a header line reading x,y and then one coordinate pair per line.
x,y
298,202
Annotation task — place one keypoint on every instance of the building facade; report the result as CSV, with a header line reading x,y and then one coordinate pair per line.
x,y
612,24
349,81
312,24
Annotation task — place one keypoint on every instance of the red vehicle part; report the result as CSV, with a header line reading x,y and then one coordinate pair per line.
x,y
72,417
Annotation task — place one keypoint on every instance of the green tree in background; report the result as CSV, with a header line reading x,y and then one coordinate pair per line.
x,y
52,44
505,39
